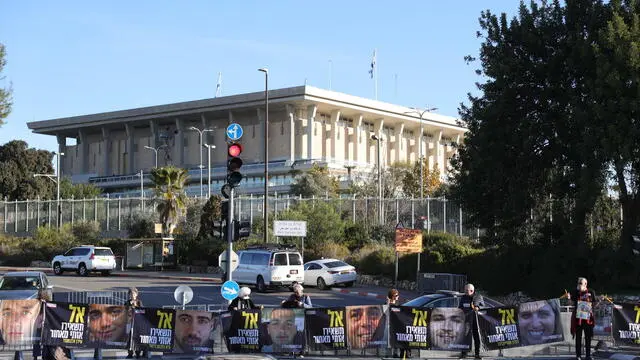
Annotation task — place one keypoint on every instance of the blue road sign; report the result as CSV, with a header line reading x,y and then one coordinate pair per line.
x,y
230,290
234,131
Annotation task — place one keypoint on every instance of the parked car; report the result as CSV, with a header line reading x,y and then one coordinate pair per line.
x,y
85,259
269,265
24,285
327,272
446,298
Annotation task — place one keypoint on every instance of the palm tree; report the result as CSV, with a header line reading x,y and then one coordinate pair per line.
x,y
169,183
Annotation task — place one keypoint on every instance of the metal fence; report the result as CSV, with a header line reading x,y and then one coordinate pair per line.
x,y
21,218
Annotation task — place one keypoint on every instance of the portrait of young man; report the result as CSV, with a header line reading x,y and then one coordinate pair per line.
x,y
285,330
19,321
109,324
366,326
194,331
448,329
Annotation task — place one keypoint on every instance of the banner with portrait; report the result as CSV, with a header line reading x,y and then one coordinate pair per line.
x,y
499,328
282,330
241,330
366,327
539,322
19,323
326,328
430,329
64,325
153,329
109,326
195,331
626,324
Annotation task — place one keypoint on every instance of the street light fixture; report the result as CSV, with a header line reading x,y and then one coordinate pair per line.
x,y
421,114
380,216
155,150
56,179
266,152
209,147
201,132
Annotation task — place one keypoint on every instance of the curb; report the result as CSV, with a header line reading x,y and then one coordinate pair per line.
x,y
124,274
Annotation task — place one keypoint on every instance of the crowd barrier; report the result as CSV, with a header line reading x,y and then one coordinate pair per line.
x,y
379,328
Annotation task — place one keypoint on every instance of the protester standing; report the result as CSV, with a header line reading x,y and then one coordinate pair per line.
x,y
392,297
243,301
582,320
298,299
469,302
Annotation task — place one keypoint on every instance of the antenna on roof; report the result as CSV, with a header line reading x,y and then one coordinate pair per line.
x,y
219,85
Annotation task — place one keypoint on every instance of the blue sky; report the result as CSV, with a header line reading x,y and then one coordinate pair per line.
x,y
69,58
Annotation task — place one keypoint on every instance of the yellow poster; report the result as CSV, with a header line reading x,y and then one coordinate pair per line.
x,y
408,240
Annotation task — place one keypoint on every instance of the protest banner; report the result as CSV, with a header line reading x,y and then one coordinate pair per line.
x,y
366,327
19,323
539,322
282,330
109,326
626,324
153,329
64,325
326,328
430,329
195,331
241,330
499,328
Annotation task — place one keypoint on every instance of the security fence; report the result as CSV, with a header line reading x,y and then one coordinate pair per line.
x,y
21,218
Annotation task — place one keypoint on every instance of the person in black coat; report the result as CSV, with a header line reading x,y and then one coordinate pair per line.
x,y
471,301
243,301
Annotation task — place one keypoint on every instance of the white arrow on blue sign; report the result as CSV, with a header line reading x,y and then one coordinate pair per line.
x,y
234,131
230,290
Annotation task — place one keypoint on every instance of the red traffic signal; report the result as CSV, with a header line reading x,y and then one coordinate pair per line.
x,y
234,163
234,150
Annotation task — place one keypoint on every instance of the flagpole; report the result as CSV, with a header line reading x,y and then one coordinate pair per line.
x,y
375,72
219,85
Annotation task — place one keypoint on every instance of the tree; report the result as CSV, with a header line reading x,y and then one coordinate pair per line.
x,y
18,164
393,180
169,183
211,214
430,178
5,93
315,182
78,191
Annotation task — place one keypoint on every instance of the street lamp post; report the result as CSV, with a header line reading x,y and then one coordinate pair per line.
x,y
380,215
421,114
209,147
266,152
141,174
201,132
56,179
155,150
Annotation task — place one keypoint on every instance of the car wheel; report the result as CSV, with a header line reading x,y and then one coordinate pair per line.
x,y
348,284
82,270
106,272
260,285
321,283
57,269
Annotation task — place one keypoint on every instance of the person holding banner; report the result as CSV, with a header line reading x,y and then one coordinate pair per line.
x,y
243,301
469,302
298,299
582,319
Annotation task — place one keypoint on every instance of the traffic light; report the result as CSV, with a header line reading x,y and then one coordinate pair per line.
x,y
234,163
241,230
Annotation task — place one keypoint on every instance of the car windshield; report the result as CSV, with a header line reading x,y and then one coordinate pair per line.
x,y
103,252
19,283
420,301
335,264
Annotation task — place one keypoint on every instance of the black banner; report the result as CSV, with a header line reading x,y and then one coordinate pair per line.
x,y
430,329
282,330
64,325
109,326
196,331
626,324
241,329
499,328
366,327
19,323
153,329
326,328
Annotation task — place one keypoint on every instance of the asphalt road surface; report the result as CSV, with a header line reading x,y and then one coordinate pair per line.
x,y
160,292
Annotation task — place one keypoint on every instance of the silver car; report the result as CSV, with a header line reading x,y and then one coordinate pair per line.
x,y
24,285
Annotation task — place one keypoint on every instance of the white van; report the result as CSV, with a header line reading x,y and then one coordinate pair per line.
x,y
269,266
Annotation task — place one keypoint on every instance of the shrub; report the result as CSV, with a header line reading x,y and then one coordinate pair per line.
x,y
374,259
86,232
326,250
356,236
141,224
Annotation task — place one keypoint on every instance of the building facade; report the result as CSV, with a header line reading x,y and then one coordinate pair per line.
x,y
307,126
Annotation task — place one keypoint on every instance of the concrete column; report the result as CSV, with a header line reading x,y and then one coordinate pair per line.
x,y
106,152
83,151
262,121
439,156
311,120
62,149
231,118
130,169
378,126
355,138
153,129
398,147
208,137
179,144
292,132
333,141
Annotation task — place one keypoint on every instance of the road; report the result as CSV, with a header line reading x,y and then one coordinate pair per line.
x,y
159,292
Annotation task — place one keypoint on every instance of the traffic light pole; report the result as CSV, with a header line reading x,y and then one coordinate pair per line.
x,y
230,233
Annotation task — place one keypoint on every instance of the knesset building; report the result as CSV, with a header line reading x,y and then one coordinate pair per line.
x,y
307,126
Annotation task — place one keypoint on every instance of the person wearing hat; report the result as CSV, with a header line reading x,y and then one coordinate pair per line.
x,y
243,301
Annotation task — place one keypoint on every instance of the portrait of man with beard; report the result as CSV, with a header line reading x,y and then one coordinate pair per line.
x,y
194,331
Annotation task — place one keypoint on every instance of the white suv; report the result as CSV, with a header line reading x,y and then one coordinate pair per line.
x,y
84,259
269,266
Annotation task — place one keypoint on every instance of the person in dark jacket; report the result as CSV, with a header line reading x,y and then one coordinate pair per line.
x,y
471,301
582,320
298,299
243,301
